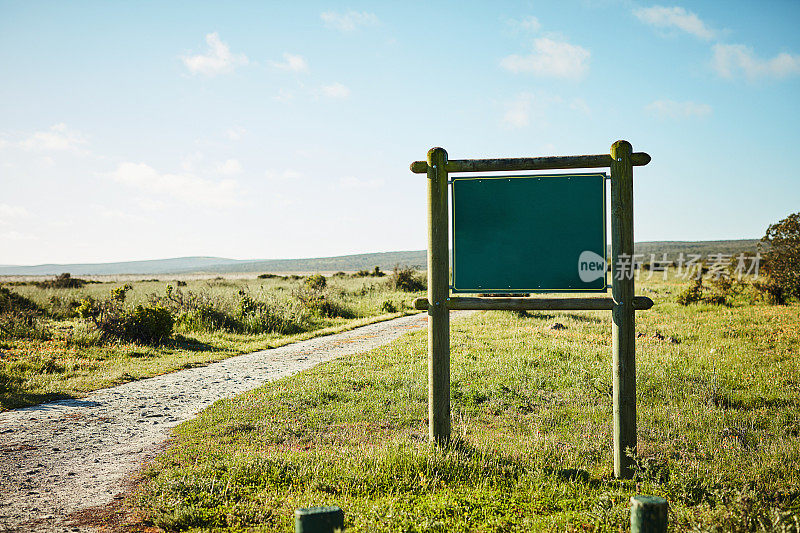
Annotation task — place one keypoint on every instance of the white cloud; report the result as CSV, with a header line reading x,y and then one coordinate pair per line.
x,y
518,111
292,62
184,187
58,138
730,59
529,23
284,95
335,90
348,21
235,133
285,175
16,236
551,58
674,17
351,182
673,109
527,108
229,167
217,60
12,211
580,105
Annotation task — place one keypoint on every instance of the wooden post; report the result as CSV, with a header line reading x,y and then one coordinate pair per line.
x,y
318,520
649,514
623,334
438,291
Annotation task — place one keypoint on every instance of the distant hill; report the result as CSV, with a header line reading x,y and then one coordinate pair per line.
x,y
385,260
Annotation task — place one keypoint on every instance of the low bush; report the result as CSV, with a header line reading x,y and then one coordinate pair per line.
x,y
315,282
20,317
374,273
322,304
771,291
63,281
270,276
149,324
406,279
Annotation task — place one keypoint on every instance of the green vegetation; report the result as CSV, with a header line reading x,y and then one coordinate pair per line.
x,y
718,423
782,259
65,338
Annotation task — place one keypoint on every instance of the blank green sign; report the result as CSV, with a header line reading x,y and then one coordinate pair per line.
x,y
529,233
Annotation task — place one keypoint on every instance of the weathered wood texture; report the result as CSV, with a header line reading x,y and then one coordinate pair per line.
x,y
438,291
623,331
649,514
534,304
531,163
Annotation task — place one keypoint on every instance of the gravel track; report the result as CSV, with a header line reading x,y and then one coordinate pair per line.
x,y
63,457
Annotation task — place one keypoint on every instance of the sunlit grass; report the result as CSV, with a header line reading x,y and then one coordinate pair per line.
x,y
74,361
718,424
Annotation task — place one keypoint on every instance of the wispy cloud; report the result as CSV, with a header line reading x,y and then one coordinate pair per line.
x,y
58,138
217,60
11,212
336,90
229,167
551,58
291,62
678,110
529,23
350,21
730,60
674,18
284,175
527,108
185,187
235,133
16,236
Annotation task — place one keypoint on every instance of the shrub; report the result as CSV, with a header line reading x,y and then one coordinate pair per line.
x,y
261,317
63,306
374,273
771,291
315,282
207,318
697,292
322,304
406,279
149,324
782,258
63,281
388,307
270,276
20,317
10,301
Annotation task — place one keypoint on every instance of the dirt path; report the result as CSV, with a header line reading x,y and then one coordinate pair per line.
x,y
62,457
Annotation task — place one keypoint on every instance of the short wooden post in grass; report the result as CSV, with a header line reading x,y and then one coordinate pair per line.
x,y
318,520
649,514
438,292
623,334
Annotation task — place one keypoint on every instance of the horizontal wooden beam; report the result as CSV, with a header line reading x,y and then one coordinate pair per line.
x,y
640,303
531,163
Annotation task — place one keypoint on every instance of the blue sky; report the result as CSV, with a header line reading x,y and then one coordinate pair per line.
x,y
141,130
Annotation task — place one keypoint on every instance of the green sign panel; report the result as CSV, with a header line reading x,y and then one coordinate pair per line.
x,y
529,233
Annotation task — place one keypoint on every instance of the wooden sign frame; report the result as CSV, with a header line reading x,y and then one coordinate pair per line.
x,y
622,303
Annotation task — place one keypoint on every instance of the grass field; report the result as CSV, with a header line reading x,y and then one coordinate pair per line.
x,y
718,422
63,355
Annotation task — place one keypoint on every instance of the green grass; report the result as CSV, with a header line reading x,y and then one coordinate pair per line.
x,y
718,426
74,360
